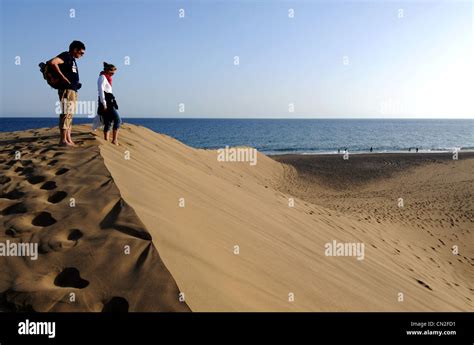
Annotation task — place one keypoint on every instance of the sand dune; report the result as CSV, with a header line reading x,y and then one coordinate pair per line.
x,y
230,204
82,249
134,193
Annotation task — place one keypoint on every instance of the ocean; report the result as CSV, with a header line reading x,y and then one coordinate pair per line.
x,y
303,136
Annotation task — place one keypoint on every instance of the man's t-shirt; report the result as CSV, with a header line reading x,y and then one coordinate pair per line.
x,y
70,71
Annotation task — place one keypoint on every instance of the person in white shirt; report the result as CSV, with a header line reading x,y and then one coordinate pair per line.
x,y
107,103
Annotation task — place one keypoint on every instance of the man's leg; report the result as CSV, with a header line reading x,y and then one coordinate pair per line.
x,y
68,136
64,129
69,139
62,118
72,99
63,138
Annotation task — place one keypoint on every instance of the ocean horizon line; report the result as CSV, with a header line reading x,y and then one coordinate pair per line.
x,y
297,136
255,118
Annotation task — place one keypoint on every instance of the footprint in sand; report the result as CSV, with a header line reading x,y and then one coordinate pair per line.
x,y
53,162
62,171
4,179
70,277
57,197
75,235
28,171
60,242
49,185
12,232
7,167
17,208
13,195
36,179
46,150
26,162
32,149
116,305
43,219
424,284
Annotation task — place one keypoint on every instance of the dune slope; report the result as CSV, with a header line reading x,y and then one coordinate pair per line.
x,y
232,241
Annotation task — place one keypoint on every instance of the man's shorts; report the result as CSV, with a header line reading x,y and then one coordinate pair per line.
x,y
68,99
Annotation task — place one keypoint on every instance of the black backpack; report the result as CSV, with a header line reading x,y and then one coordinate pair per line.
x,y
50,75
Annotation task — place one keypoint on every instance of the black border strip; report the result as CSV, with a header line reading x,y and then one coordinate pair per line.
x,y
238,328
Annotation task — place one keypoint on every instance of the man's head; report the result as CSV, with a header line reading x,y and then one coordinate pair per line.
x,y
77,49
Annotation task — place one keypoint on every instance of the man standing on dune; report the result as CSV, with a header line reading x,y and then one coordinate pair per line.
x,y
65,66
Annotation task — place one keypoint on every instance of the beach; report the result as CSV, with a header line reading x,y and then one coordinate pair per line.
x,y
156,225
437,190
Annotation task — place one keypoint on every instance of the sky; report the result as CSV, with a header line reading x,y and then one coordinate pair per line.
x,y
331,59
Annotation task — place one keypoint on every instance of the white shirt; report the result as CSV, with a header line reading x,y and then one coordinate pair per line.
x,y
103,86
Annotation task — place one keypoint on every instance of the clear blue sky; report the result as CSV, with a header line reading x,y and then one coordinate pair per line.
x,y
420,65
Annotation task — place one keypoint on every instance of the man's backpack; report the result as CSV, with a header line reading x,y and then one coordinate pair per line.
x,y
50,75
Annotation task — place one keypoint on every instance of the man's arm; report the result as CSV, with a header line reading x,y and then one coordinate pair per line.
x,y
55,62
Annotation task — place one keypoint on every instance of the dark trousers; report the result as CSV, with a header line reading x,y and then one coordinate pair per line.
x,y
111,118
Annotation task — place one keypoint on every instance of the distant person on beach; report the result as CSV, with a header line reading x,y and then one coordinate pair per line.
x,y
417,149
107,103
409,149
371,149
66,68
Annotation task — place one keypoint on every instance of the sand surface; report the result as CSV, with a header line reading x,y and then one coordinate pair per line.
x,y
227,232
437,191
281,248
83,262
